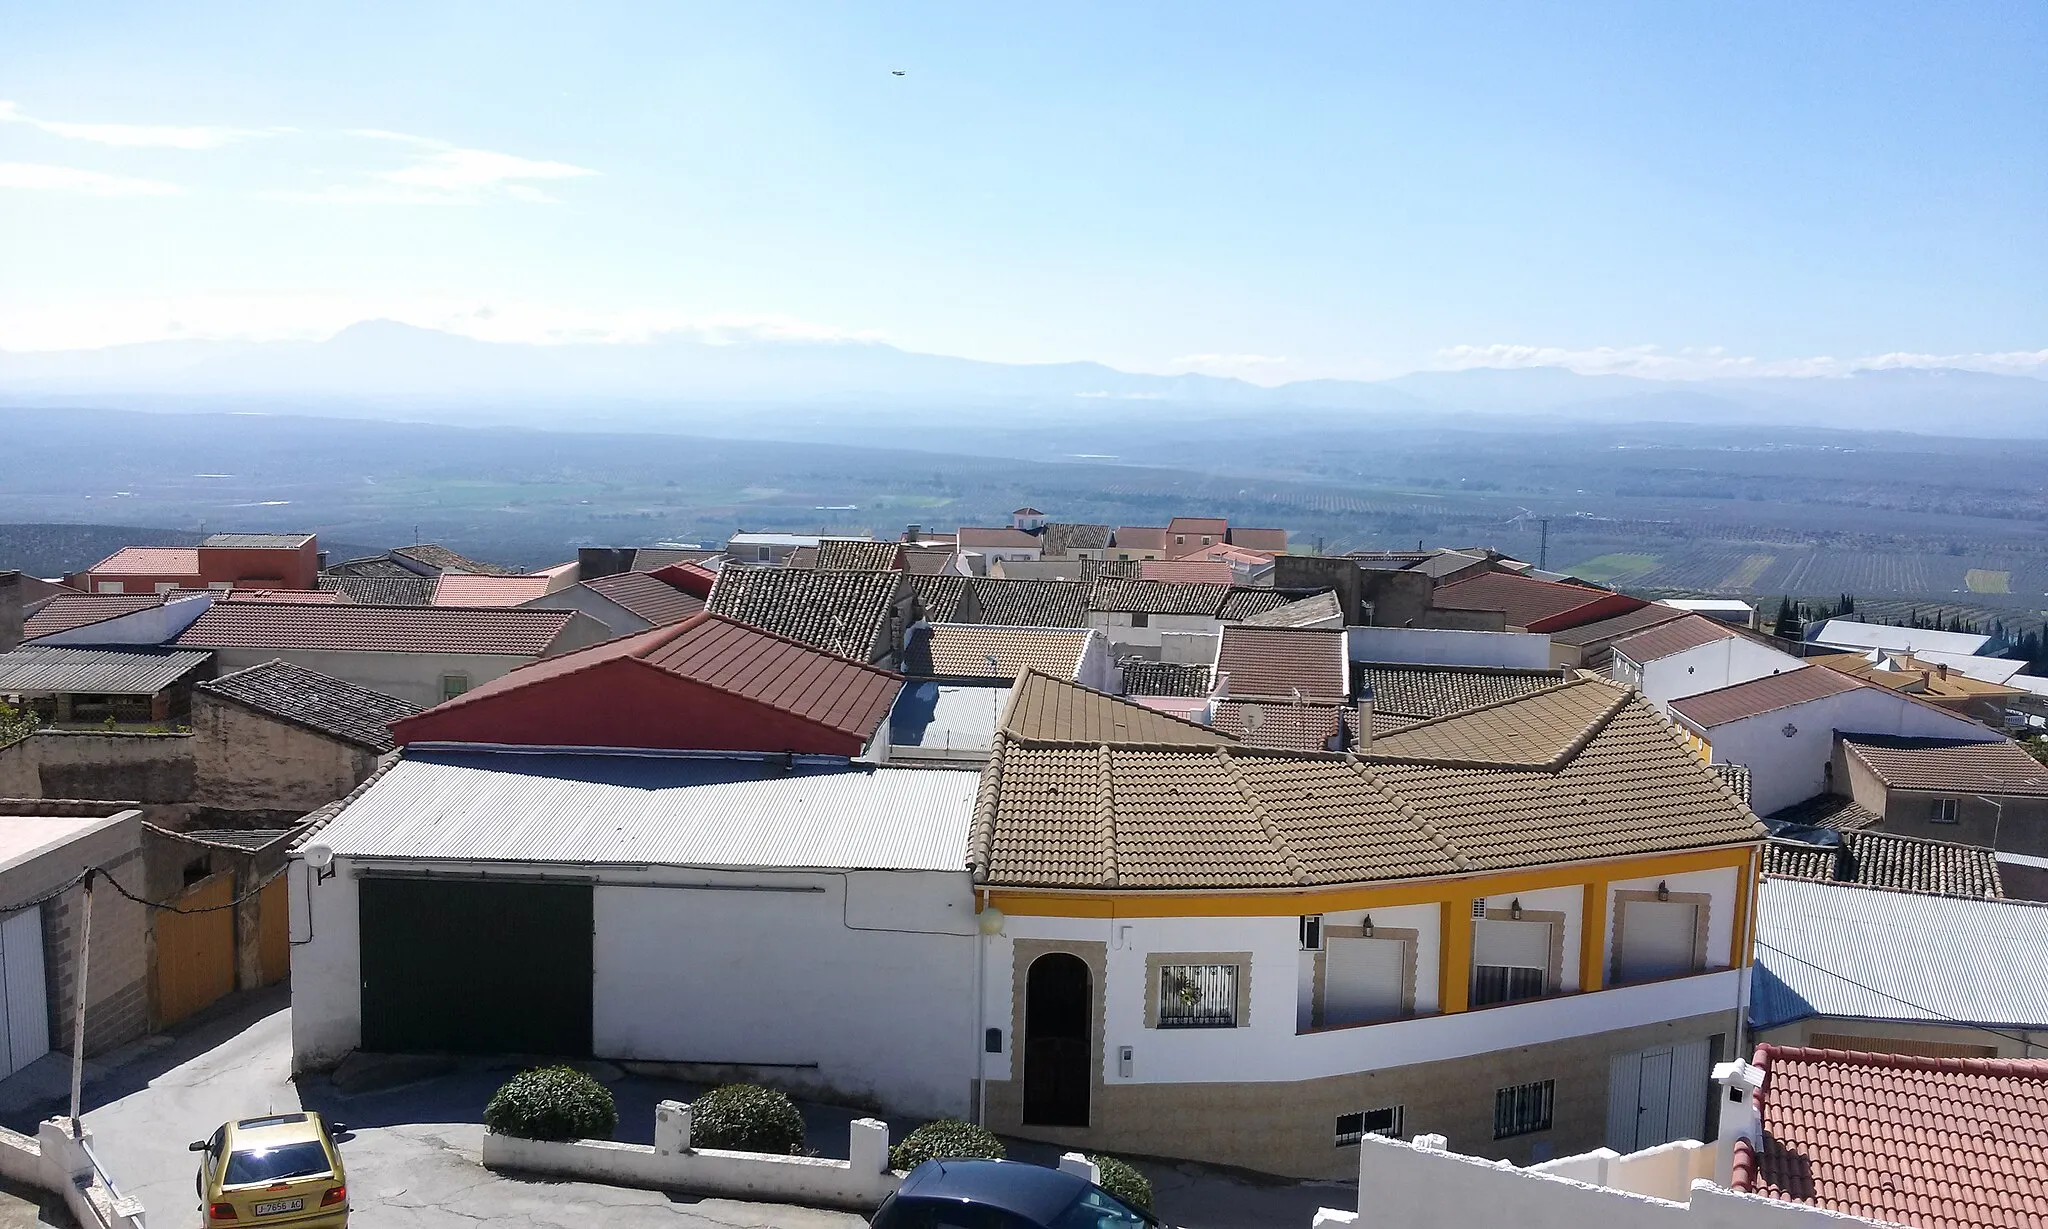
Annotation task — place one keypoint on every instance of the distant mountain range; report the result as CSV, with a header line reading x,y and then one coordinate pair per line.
x,y
383,367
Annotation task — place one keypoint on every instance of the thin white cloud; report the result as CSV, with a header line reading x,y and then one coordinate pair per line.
x,y
136,136
38,177
1230,360
443,174
1712,362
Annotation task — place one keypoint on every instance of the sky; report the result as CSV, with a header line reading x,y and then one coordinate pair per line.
x,y
1275,192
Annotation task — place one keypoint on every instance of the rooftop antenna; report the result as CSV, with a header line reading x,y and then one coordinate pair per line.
x,y
1543,548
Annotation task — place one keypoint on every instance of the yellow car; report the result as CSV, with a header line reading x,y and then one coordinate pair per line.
x,y
280,1169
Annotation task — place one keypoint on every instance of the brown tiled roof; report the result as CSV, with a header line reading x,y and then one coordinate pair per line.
x,y
1214,526
1523,599
1735,777
965,650
650,597
1269,541
1123,595
374,566
858,555
1320,608
1061,538
928,560
1416,692
465,589
314,700
1949,766
1143,677
805,557
1084,812
69,610
278,595
1284,662
1828,811
149,561
1047,709
1140,537
1288,727
1542,729
1940,1143
1600,631
734,657
401,589
1186,571
441,559
840,612
343,627
1689,631
941,596
1887,860
1758,696
1904,672
1031,603
976,537
1247,601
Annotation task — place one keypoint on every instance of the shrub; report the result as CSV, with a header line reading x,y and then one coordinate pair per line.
x,y
552,1103
746,1118
946,1139
1122,1179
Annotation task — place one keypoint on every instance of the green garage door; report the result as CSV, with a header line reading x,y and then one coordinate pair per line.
x,y
474,967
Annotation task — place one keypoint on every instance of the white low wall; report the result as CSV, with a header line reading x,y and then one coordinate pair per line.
x,y
56,1163
1421,1184
862,1182
1429,646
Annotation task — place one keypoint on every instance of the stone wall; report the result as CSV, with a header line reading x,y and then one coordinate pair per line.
x,y
112,766
248,762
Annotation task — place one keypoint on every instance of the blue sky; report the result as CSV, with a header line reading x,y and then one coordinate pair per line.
x,y
1273,191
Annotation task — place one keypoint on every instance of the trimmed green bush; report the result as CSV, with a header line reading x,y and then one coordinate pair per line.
x,y
945,1139
552,1103
746,1118
1122,1179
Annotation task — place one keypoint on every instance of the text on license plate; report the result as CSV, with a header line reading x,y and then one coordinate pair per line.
x,y
279,1205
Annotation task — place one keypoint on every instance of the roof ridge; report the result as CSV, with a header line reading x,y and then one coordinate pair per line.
x,y
982,831
1295,866
1686,741
1105,813
1494,671
1027,671
2027,1068
1444,843
1493,704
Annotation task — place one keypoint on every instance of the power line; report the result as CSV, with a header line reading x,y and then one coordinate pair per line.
x,y
1982,1028
102,873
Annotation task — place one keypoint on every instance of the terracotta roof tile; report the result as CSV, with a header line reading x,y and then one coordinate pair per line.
x,y
149,561
1143,677
1405,694
1063,537
1835,811
841,612
858,555
1285,726
1940,765
929,560
1628,623
1524,600
999,538
1214,526
1284,662
1944,1143
1140,537
1671,637
1245,601
1047,709
941,595
1186,571
1759,696
966,650
69,610
1030,603
441,559
648,596
1322,608
309,698
1125,596
344,627
1888,860
1265,541
404,589
1904,672
1538,730
465,589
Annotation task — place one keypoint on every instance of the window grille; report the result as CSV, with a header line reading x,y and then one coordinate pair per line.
x,y
1352,1128
1198,996
1523,1109
1479,908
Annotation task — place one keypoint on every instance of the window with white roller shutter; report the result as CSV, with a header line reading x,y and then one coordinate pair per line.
x,y
1510,961
1658,939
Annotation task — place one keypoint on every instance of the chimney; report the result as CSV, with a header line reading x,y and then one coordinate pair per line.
x,y
1365,717
910,533
10,610
1941,671
1740,1085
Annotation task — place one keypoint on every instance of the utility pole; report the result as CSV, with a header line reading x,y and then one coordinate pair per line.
x,y
1543,550
78,1016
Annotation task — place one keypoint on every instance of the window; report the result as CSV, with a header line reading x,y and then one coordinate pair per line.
x,y
1312,933
762,554
1352,1128
1523,1109
1198,996
453,685
1205,540
166,586
1658,938
1510,961
1098,1210
1942,811
1141,619
112,586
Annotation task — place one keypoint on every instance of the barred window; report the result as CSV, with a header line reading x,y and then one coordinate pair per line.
x,y
1351,1128
1523,1108
1198,996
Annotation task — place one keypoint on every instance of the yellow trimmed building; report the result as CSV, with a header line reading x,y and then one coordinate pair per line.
x,y
1525,927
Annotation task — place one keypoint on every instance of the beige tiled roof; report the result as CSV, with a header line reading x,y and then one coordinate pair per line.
x,y
1309,610
1082,813
967,650
1538,730
1949,766
1047,709
1888,860
1290,727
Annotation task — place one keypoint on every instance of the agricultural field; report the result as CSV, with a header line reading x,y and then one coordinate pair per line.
x,y
1985,580
1613,568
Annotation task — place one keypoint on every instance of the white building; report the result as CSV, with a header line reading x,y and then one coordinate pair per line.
x,y
1851,636
805,923
1690,655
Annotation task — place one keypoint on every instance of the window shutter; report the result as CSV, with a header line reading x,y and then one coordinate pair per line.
x,y
1523,945
1656,939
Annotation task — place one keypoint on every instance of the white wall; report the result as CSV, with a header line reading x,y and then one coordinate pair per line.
x,y
1424,646
327,966
871,979
412,677
1719,885
1117,626
1722,663
152,626
1787,769
1098,665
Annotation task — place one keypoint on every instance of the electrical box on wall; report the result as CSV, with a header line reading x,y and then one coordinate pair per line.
x,y
992,1041
1123,1062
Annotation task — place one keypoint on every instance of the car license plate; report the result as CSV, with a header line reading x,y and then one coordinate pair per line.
x,y
280,1205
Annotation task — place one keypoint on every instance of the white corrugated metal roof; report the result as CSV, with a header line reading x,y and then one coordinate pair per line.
x,y
115,672
1861,953
657,810
1850,634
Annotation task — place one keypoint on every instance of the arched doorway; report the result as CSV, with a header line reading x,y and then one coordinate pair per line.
x,y
1059,1060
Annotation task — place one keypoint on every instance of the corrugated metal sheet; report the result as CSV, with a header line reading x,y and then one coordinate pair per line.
x,y
1834,950
114,672
943,717
655,810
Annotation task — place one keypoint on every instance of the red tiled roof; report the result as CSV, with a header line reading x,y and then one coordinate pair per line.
x,y
1758,696
1943,1143
280,595
69,610
733,657
345,627
1214,526
1671,637
1266,541
149,561
647,595
1615,627
466,589
971,537
1528,602
691,577
1187,571
1140,537
1281,661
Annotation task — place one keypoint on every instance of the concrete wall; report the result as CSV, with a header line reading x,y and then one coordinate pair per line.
x,y
11,603
617,620
412,677
1125,637
155,625
120,766
1432,647
1328,572
1098,667
250,762
117,990
55,1162
1784,769
1722,663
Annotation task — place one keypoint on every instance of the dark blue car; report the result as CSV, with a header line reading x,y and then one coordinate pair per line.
x,y
1003,1195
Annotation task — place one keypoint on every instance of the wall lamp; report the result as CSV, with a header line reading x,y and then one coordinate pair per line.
x,y
1515,909
1663,890
1368,925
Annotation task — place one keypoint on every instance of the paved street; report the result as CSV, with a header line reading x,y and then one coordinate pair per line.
x,y
413,1152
